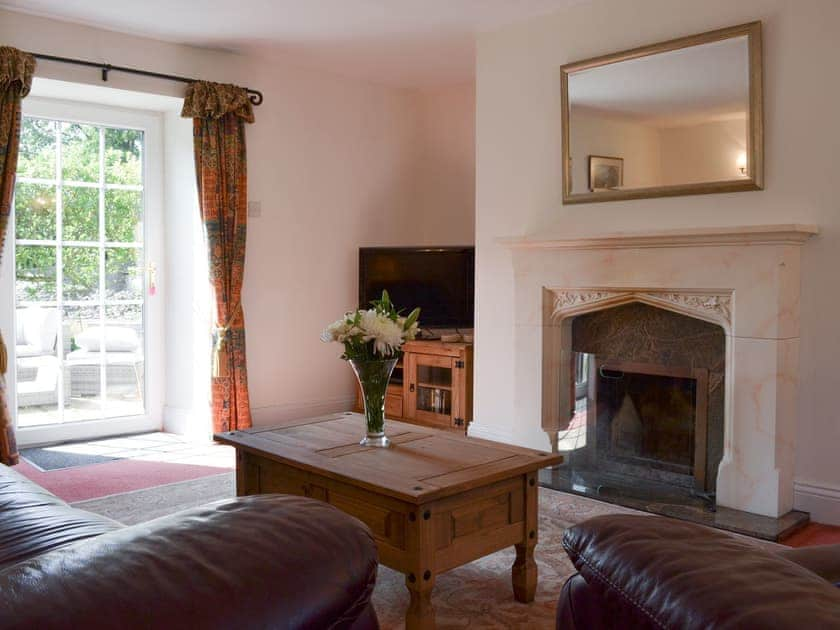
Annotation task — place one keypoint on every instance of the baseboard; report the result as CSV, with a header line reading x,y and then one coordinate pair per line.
x,y
485,433
280,414
821,500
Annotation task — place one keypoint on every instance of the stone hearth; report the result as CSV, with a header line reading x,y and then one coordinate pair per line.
x,y
744,279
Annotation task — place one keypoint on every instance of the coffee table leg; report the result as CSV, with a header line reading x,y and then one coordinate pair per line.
x,y
524,574
524,571
421,613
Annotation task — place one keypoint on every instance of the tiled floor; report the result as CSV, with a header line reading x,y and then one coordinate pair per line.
x,y
156,447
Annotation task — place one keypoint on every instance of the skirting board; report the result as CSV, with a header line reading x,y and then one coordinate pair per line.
x,y
823,502
281,414
485,433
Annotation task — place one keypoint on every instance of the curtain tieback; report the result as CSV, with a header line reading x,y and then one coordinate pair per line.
x,y
220,350
4,357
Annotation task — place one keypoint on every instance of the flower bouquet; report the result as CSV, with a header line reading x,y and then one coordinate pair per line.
x,y
373,341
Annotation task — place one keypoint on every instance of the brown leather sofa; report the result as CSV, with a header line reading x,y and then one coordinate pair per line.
x,y
267,561
658,573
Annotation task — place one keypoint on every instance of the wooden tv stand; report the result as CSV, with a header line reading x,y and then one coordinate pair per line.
x,y
431,385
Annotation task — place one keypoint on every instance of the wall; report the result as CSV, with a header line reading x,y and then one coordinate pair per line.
x,y
445,198
334,163
715,147
638,144
518,188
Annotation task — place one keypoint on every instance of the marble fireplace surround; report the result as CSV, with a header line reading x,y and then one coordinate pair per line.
x,y
745,279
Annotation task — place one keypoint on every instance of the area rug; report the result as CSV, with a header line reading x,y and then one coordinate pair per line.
x,y
50,458
120,476
138,506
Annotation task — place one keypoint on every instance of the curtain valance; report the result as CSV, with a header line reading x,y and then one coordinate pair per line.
x,y
205,99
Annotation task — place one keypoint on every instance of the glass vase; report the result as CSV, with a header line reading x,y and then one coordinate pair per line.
x,y
373,378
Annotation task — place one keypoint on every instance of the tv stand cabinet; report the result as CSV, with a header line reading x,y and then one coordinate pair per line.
x,y
431,386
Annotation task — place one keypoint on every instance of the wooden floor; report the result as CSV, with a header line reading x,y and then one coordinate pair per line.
x,y
814,534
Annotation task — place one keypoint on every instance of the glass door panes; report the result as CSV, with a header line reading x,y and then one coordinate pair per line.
x,y
434,385
80,272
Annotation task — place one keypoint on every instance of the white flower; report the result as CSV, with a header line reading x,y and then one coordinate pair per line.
x,y
385,333
339,330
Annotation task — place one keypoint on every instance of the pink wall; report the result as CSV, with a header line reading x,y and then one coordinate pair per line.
x,y
336,163
518,188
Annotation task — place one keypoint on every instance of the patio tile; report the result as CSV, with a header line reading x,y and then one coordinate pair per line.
x,y
128,442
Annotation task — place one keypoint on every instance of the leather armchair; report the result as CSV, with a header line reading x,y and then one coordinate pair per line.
x,y
266,561
658,573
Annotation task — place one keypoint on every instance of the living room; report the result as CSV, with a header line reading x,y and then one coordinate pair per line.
x,y
434,129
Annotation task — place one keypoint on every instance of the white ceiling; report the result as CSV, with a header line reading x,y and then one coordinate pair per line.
x,y
410,43
691,85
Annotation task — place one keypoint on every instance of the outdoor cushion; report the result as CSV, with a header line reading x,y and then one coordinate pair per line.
x,y
117,339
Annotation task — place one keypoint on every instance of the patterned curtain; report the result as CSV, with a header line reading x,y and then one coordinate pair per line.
x,y
16,68
219,114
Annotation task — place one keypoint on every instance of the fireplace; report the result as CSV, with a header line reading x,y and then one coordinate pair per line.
x,y
744,280
651,421
645,404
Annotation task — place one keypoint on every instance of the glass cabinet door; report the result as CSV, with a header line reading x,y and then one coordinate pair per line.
x,y
431,389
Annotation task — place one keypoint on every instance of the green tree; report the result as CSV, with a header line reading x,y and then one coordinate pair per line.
x,y
36,207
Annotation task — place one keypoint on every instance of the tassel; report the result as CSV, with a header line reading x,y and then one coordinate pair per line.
x,y
4,356
220,354
221,358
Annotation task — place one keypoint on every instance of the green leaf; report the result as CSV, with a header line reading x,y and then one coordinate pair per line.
x,y
413,316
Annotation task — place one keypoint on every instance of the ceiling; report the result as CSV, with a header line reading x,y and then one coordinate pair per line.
x,y
686,86
407,43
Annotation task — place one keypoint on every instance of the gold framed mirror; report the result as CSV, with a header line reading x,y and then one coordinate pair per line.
x,y
682,117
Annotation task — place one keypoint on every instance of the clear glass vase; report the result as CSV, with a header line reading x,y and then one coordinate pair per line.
x,y
373,378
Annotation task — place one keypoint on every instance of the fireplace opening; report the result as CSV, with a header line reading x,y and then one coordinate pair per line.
x,y
646,405
651,421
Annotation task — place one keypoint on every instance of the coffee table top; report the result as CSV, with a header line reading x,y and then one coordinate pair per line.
x,y
422,464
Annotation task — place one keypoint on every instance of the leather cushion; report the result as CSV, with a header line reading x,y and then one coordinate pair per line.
x,y
824,560
33,521
662,573
267,561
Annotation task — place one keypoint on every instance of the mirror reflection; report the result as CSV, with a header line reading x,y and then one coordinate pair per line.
x,y
672,118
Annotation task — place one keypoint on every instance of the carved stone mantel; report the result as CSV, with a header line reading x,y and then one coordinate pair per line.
x,y
776,234
714,306
745,279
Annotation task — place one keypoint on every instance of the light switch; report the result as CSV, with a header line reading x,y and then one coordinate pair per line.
x,y
254,209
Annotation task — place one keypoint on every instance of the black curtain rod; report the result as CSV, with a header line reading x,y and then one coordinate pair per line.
x,y
255,96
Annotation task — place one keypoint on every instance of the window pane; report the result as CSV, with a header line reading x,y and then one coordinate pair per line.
x,y
35,212
124,156
123,273
80,152
124,216
81,214
81,273
35,273
37,148
82,353
124,357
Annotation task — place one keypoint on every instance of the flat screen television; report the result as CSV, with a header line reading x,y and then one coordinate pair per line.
x,y
440,280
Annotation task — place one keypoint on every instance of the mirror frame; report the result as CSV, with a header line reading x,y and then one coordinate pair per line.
x,y
755,133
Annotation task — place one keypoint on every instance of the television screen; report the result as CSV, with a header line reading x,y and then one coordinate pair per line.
x,y
439,280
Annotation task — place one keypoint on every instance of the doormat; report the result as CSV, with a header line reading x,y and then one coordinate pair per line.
x,y
60,457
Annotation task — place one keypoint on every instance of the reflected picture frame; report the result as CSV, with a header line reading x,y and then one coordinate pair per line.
x,y
605,173
754,172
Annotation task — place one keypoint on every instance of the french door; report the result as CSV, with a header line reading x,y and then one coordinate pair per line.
x,y
84,273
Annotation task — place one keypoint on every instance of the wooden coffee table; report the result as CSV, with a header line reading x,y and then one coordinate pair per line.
x,y
435,500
